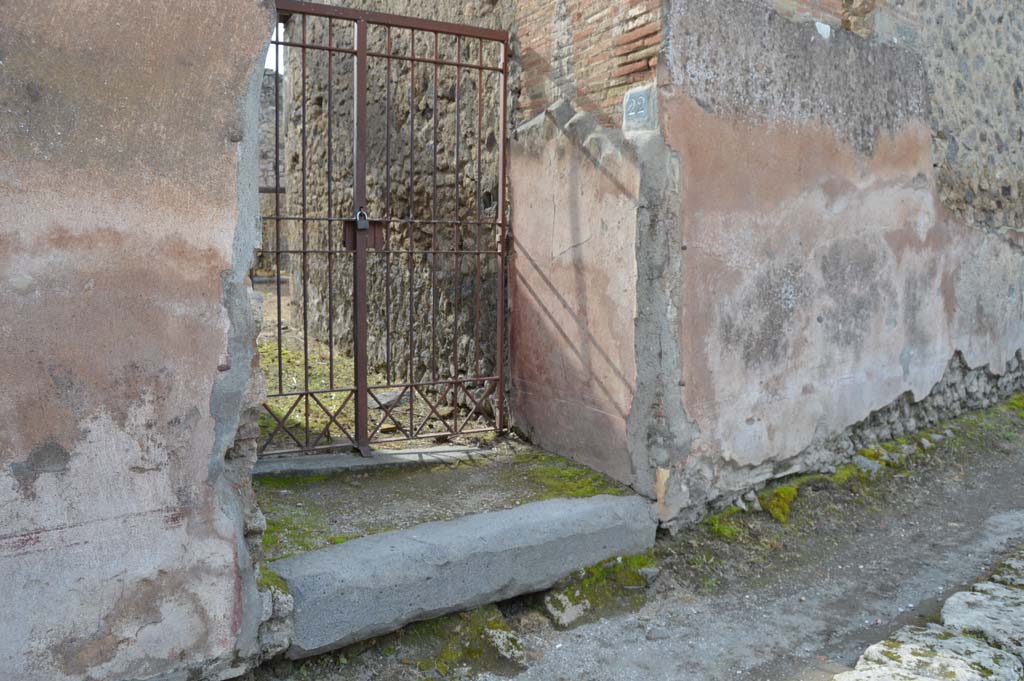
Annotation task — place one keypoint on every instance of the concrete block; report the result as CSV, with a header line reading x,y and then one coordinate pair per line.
x,y
375,584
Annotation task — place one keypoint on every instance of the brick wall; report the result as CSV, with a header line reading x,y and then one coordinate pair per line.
x,y
588,51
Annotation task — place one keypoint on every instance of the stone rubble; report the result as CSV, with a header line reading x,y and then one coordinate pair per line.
x,y
981,637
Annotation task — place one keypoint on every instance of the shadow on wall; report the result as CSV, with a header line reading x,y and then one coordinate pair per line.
x,y
575,189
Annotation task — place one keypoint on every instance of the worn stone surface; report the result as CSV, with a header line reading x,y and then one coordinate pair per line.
x,y
1010,572
368,586
127,225
994,611
880,675
935,652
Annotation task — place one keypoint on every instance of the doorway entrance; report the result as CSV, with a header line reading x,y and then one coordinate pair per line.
x,y
384,230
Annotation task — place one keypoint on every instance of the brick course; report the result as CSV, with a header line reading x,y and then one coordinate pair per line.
x,y
588,51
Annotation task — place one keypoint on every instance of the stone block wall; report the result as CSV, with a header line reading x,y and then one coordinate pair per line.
x,y
271,90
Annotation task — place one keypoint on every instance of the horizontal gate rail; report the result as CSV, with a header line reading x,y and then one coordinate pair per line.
x,y
287,7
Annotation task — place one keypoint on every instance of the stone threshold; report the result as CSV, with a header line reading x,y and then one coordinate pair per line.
x,y
375,584
315,464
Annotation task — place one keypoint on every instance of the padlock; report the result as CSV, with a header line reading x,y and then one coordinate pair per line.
x,y
362,219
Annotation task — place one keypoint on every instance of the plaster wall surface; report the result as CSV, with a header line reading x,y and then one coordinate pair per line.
x,y
823,277
127,345
573,288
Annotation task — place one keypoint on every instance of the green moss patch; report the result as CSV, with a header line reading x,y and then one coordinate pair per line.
x,y
479,640
612,586
1016,405
720,525
777,501
555,477
269,580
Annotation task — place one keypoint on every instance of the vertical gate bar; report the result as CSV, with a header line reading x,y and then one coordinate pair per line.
x,y
277,197
305,248
359,270
502,259
479,216
330,214
457,278
433,236
387,210
409,227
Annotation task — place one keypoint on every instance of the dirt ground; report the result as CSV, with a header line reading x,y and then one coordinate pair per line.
x,y
747,597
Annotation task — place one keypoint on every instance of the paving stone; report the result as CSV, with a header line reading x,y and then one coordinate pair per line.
x,y
993,610
368,586
936,652
1010,572
879,674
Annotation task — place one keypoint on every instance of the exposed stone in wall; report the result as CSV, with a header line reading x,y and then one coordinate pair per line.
x,y
973,66
962,388
858,17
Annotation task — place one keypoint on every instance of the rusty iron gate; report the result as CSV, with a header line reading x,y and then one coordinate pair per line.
x,y
385,230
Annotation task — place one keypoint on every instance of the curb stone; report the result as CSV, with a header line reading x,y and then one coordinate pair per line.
x,y
982,638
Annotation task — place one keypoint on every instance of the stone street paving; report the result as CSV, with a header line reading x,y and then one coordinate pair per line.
x,y
981,637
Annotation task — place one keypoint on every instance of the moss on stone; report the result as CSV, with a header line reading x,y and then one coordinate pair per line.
x,y
777,501
342,538
465,639
269,580
556,477
873,454
848,473
293,532
612,586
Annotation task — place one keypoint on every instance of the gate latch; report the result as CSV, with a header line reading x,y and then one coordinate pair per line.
x,y
374,231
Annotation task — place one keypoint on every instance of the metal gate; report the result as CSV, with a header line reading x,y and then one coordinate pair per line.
x,y
384,231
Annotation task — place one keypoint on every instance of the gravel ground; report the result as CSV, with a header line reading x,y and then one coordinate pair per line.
x,y
790,602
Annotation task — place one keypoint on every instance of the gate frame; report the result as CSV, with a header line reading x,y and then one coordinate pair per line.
x,y
359,228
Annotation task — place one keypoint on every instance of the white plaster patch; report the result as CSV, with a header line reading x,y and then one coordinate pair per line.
x,y
824,30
